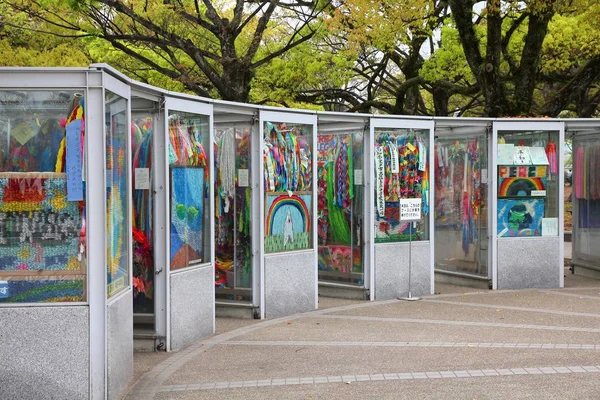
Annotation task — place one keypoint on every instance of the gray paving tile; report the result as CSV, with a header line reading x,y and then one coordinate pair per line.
x,y
533,371
504,372
475,372
591,368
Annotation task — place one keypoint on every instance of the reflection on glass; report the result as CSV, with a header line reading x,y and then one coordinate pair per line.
x,y
528,167
233,272
586,199
287,152
340,207
143,245
188,167
401,172
460,204
42,197
117,173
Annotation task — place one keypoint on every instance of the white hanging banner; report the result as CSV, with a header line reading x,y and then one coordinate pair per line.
x,y
394,157
379,180
422,156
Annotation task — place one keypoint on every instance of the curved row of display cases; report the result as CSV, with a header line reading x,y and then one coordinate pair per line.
x,y
247,210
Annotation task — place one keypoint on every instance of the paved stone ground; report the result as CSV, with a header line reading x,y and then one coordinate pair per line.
x,y
459,344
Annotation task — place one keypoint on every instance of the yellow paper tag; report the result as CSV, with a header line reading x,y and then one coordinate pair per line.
x,y
22,133
410,147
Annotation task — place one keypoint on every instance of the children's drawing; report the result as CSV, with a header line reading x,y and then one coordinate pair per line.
x,y
287,222
187,213
518,217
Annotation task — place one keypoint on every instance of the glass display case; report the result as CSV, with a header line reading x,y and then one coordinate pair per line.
x,y
401,172
142,131
340,211
528,205
461,212
288,183
233,209
527,183
189,217
117,193
586,202
42,196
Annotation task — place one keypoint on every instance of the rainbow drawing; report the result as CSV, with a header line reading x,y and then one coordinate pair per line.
x,y
519,187
278,208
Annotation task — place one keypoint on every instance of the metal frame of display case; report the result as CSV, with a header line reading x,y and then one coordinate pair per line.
x,y
428,287
296,117
340,122
581,129
516,126
466,128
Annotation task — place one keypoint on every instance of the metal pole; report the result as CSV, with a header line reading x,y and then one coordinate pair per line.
x,y
409,298
409,256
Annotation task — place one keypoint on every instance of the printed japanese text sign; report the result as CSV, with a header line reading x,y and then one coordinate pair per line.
x,y
410,209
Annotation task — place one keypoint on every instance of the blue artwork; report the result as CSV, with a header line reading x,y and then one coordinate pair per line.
x,y
50,291
518,217
187,213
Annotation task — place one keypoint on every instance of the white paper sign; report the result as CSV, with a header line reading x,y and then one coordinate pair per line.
x,y
549,226
522,155
506,153
484,176
142,179
358,177
410,209
538,156
243,178
538,193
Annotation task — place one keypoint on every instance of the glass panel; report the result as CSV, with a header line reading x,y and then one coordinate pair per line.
x,y
188,171
401,172
42,197
117,195
528,167
288,186
586,198
143,239
461,204
233,207
340,206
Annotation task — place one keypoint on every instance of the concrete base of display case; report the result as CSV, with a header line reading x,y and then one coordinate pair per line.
x,y
290,283
588,271
529,262
235,309
120,343
341,291
45,352
461,279
192,305
391,270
